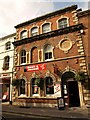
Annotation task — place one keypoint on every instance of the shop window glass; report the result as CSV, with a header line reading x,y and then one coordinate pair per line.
x,y
49,85
22,86
34,86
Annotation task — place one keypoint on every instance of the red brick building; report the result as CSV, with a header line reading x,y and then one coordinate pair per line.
x,y
51,59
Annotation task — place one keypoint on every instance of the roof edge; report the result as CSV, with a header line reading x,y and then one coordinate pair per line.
x,y
7,36
83,13
46,15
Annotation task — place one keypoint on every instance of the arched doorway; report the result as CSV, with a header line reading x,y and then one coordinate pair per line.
x,y
70,90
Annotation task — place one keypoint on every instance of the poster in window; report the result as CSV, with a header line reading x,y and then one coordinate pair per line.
x,y
35,89
57,90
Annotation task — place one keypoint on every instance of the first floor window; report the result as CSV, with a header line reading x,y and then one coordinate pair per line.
x,y
49,85
48,52
23,56
8,45
6,62
48,55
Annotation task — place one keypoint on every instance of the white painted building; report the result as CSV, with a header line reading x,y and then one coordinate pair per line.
x,y
6,65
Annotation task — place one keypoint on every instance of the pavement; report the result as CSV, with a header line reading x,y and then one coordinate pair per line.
x,y
74,112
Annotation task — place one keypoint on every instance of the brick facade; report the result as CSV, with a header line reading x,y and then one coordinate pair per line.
x,y
69,48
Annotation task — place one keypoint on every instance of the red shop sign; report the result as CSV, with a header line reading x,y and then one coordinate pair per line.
x,y
35,67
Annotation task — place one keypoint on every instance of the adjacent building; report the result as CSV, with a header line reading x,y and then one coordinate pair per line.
x,y
51,60
6,66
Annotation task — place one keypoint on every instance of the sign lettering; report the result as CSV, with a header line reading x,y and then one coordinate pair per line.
x,y
35,67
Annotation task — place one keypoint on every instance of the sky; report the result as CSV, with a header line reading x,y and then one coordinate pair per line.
x,y
14,12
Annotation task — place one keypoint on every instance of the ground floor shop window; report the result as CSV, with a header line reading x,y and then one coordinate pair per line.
x,y
35,88
49,85
22,86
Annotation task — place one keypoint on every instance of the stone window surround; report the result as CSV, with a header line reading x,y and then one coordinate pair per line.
x,y
34,26
62,18
29,52
43,56
40,27
21,33
48,74
44,24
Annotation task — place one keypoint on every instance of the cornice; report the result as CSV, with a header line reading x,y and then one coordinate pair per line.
x,y
84,13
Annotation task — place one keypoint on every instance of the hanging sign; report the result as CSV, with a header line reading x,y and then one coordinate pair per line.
x,y
36,67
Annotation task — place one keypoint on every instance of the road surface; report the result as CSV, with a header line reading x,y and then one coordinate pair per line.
x,y
18,116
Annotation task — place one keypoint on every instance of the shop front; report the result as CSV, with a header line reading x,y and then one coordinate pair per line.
x,y
44,88
5,87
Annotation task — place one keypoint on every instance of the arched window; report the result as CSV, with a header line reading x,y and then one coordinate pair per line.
x,y
48,52
49,85
34,31
8,45
6,62
46,28
35,90
23,34
22,86
62,23
23,57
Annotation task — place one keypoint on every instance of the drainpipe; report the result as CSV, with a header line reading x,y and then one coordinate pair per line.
x,y
11,88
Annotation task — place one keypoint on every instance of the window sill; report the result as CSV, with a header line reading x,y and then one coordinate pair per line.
x,y
49,59
22,96
23,63
50,95
35,95
5,68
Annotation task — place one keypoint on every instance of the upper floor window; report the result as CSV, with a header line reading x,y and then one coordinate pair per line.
x,y
8,45
6,62
23,56
34,31
48,52
49,85
46,28
62,23
23,34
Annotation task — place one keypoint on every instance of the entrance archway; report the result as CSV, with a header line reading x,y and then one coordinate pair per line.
x,y
70,90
